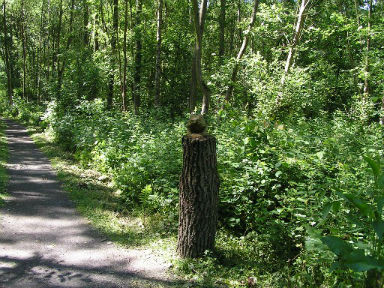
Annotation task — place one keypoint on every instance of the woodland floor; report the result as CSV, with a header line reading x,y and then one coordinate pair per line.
x,y
44,242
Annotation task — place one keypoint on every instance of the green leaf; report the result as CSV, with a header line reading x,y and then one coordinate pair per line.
x,y
320,155
364,208
326,210
380,181
380,204
324,214
359,262
278,173
313,240
379,228
337,245
375,166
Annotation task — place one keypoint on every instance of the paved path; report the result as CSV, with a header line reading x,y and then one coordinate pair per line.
x,y
45,243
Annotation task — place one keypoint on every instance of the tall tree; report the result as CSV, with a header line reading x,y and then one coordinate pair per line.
x,y
111,83
242,50
222,29
85,23
124,84
68,45
7,56
158,52
138,56
58,40
24,44
41,50
296,36
199,21
368,48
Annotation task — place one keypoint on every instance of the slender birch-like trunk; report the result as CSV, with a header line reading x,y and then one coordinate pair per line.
x,y
296,38
124,88
158,52
243,47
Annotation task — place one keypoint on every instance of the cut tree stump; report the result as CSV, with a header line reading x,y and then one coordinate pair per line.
x,y
199,187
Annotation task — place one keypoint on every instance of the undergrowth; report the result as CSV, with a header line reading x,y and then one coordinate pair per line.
x,y
96,198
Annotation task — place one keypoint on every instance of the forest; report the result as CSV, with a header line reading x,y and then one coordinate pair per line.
x,y
293,91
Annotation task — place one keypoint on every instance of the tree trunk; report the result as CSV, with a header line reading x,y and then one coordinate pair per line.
x,y
199,187
49,40
85,23
296,37
244,45
239,30
137,75
24,50
96,33
7,57
158,52
58,40
124,88
193,87
193,84
69,41
199,20
222,30
366,66
111,83
132,50
40,59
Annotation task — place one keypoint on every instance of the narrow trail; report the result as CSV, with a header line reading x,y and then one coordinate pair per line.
x,y
44,242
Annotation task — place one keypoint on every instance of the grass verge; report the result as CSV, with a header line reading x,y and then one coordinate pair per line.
x,y
3,161
97,199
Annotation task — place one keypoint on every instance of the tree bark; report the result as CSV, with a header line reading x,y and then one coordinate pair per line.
x,y
193,88
111,83
222,30
296,37
49,40
199,187
137,75
56,49
368,48
239,31
69,41
40,59
85,23
199,20
7,57
158,52
243,47
24,50
124,88
96,33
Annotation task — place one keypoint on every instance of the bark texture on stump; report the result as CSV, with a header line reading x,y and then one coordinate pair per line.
x,y
199,187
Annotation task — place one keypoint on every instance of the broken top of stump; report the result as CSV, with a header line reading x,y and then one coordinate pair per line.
x,y
196,125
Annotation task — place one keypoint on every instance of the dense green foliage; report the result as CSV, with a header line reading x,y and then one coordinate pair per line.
x,y
291,142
